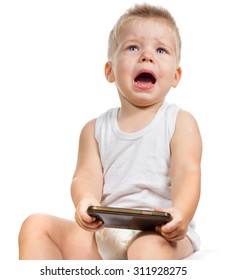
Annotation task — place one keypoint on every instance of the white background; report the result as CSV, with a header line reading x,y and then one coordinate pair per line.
x,y
52,56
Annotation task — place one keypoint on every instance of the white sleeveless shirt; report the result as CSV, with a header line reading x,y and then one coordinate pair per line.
x,y
136,165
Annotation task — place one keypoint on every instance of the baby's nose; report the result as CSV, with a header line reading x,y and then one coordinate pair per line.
x,y
147,57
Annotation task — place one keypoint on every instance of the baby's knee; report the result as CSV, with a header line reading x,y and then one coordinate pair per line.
x,y
150,246
32,224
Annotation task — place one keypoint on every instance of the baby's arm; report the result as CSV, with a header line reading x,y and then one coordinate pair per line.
x,y
87,183
186,150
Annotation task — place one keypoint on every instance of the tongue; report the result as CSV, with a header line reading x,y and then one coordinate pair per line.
x,y
143,83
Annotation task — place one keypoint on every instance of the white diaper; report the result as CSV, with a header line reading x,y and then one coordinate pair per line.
x,y
113,243
194,237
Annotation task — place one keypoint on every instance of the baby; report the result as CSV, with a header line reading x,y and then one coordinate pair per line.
x,y
145,154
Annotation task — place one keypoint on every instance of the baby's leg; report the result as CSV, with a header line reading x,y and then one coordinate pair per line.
x,y
44,237
152,246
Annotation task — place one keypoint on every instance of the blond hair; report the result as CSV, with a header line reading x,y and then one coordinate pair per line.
x,y
143,11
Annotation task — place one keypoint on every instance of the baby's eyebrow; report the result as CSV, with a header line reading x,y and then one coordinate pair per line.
x,y
162,42
132,41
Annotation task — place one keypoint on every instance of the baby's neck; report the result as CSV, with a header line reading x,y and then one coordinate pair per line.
x,y
133,119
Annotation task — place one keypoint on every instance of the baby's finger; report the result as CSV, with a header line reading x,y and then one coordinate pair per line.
x,y
94,226
87,218
158,229
169,227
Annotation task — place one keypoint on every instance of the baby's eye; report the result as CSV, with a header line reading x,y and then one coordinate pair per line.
x,y
161,50
133,48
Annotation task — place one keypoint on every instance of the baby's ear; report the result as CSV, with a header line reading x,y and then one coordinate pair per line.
x,y
177,77
109,72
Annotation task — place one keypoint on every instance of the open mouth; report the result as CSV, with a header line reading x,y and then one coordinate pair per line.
x,y
145,78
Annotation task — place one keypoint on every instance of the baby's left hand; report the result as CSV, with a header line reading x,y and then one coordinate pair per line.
x,y
174,230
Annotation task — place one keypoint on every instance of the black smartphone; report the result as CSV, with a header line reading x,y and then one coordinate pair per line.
x,y
113,217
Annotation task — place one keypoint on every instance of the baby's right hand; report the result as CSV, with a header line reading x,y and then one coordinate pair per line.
x,y
83,219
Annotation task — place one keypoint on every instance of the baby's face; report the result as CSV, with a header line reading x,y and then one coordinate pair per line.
x,y
144,65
